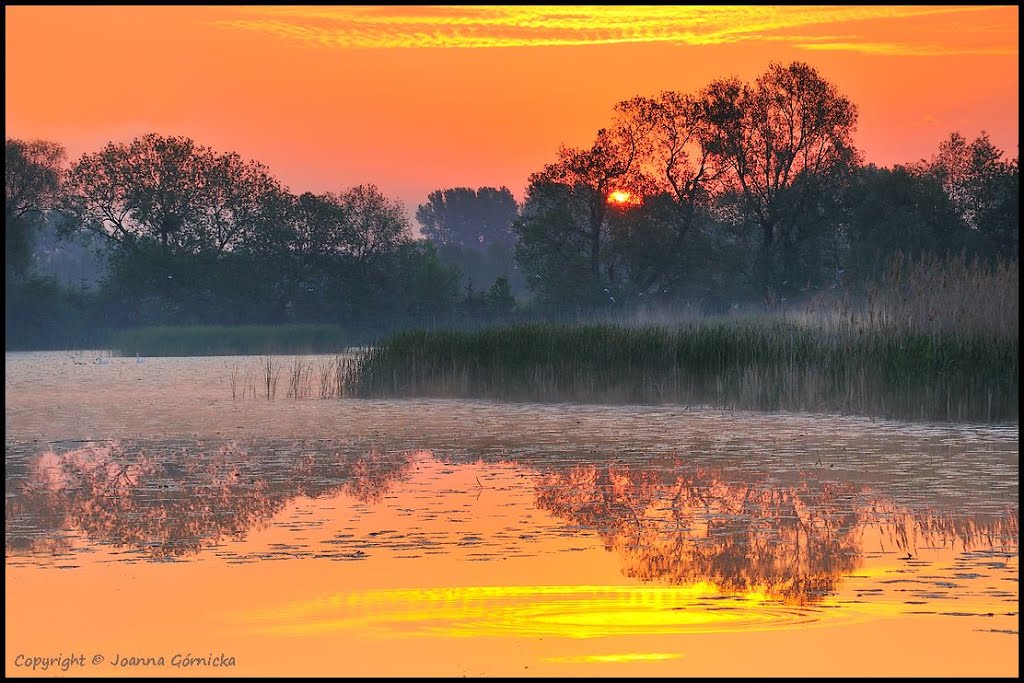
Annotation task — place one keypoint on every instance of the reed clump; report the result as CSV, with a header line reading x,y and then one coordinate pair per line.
x,y
305,377
958,296
755,364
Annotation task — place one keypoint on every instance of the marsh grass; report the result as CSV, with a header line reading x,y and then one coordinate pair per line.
x,y
757,364
305,378
271,375
930,341
957,296
230,340
298,379
233,379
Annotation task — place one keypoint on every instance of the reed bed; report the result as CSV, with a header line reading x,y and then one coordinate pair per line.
x,y
215,340
755,364
931,296
932,340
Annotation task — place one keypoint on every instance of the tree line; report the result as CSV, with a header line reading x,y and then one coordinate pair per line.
x,y
738,193
750,192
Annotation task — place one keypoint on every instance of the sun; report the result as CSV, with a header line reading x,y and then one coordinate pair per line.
x,y
622,198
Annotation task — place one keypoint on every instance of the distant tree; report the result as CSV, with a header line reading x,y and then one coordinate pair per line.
x,y
468,218
76,260
472,230
184,196
373,224
33,172
786,139
983,187
898,210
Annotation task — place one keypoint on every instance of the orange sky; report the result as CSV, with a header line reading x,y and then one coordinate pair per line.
x,y
421,98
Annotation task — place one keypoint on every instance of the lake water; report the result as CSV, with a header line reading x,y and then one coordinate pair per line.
x,y
156,526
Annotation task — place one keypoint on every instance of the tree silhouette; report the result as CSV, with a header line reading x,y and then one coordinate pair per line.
x,y
186,197
468,218
786,139
472,231
983,188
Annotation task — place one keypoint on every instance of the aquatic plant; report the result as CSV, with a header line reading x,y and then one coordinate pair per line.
x,y
758,364
955,295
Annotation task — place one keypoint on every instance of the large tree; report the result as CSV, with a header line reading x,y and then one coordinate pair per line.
x,y
568,204
194,233
187,197
679,176
787,139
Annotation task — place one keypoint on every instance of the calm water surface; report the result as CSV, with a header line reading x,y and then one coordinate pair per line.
x,y
149,515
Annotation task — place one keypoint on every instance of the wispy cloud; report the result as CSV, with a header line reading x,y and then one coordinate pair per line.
x,y
908,49
522,26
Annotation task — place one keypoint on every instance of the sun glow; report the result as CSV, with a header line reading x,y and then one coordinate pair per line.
x,y
623,198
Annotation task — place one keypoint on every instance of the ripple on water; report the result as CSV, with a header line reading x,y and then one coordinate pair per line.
x,y
535,611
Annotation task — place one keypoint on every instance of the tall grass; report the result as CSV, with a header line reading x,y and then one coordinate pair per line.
x,y
933,340
753,364
214,340
930,341
305,378
956,296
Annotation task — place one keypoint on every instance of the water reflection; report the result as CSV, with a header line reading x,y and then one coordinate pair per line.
x,y
794,543
668,521
684,525
168,501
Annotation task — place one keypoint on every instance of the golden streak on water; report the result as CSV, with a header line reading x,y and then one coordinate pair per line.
x,y
566,611
574,612
628,657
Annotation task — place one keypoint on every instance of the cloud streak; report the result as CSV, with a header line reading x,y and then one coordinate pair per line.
x,y
810,28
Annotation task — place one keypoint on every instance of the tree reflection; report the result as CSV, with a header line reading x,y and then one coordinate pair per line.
x,y
667,519
793,542
173,502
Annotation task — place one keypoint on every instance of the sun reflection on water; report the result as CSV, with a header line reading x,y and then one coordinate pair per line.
x,y
563,611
